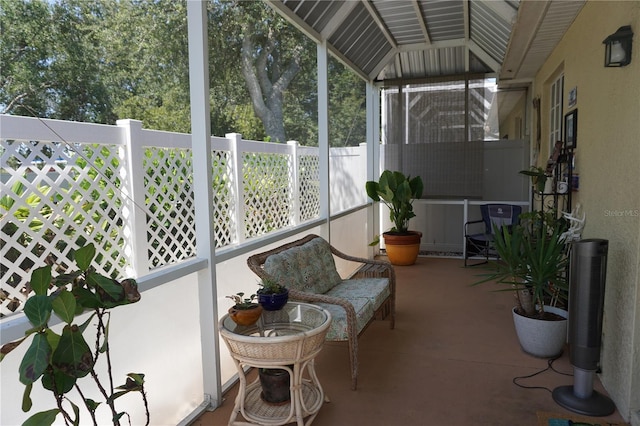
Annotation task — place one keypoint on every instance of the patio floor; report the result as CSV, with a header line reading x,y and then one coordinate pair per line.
x,y
450,360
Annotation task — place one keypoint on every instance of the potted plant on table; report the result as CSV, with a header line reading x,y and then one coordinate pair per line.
x,y
245,310
272,295
398,192
60,360
538,177
533,263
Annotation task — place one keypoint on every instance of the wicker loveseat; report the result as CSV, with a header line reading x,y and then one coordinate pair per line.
x,y
307,268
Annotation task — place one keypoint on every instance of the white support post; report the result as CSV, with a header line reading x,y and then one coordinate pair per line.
x,y
295,183
205,234
323,135
135,210
373,157
235,140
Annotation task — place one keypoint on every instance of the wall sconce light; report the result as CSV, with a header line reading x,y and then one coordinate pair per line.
x,y
617,51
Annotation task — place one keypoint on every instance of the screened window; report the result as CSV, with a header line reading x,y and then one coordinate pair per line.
x,y
440,130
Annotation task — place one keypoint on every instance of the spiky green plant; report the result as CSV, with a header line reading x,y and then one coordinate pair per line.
x,y
532,261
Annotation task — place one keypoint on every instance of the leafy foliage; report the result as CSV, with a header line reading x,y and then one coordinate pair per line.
x,y
100,60
270,286
60,360
397,192
241,302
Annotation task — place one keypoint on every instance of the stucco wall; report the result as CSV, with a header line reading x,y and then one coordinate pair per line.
x,y
608,161
508,127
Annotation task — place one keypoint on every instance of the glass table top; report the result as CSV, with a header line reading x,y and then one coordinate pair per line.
x,y
294,318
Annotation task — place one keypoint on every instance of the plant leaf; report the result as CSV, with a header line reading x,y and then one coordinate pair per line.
x,y
43,418
26,398
35,360
82,327
8,347
84,256
111,290
40,280
38,310
76,411
131,292
72,356
64,305
64,279
137,377
52,338
57,382
85,299
91,404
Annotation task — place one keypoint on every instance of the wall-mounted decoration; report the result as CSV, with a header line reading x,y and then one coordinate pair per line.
x,y
571,129
573,97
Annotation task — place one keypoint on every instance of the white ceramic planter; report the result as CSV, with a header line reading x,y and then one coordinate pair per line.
x,y
542,339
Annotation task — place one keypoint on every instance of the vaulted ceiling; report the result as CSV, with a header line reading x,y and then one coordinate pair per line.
x,y
414,39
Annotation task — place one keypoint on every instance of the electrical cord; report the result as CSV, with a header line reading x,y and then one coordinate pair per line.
x,y
549,367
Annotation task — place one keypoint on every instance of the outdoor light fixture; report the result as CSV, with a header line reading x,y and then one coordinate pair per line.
x,y
617,51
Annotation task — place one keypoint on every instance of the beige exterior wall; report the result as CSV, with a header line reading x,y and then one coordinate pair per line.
x,y
608,162
514,125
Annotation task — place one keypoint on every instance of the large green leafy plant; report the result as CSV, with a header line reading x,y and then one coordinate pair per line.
x,y
397,192
59,361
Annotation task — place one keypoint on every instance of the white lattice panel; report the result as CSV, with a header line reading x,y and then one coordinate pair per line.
x,y
267,193
54,199
56,196
168,182
224,198
309,191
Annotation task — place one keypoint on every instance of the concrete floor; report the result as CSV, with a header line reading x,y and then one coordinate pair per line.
x,y
451,360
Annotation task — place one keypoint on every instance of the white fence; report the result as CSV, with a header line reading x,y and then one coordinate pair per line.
x,y
130,191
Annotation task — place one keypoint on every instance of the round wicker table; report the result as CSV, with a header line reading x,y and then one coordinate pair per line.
x,y
287,339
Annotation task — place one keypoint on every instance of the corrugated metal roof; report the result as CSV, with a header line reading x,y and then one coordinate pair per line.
x,y
413,39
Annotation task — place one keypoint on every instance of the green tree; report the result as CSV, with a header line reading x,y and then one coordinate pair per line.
x,y
23,49
273,57
100,60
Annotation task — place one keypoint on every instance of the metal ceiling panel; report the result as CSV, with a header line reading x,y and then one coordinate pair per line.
x,y
360,39
401,20
476,65
488,30
444,19
384,39
315,14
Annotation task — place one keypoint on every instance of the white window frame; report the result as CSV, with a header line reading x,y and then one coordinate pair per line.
x,y
556,92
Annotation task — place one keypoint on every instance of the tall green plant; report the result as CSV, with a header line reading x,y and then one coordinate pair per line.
x,y
533,263
59,361
397,192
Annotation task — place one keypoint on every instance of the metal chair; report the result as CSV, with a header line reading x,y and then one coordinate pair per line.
x,y
481,243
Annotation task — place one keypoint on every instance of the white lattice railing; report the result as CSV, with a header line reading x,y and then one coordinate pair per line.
x,y
131,192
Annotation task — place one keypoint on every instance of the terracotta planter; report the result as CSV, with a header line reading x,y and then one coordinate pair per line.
x,y
245,316
402,249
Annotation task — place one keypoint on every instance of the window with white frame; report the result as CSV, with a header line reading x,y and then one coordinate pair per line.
x,y
555,111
